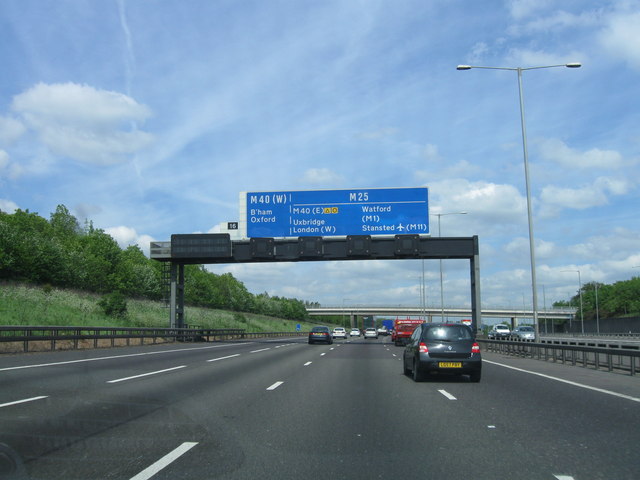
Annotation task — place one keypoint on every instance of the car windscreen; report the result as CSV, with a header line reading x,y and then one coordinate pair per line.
x,y
449,333
526,329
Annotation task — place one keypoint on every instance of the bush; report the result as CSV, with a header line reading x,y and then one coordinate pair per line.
x,y
114,305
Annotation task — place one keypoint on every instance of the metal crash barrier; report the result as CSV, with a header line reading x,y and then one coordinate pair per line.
x,y
97,337
623,358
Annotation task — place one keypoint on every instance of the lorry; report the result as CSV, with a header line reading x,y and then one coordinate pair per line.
x,y
403,329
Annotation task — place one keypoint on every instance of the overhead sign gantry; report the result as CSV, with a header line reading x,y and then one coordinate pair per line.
x,y
286,227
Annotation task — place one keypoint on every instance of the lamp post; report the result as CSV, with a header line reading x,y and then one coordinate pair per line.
x,y
580,293
441,281
519,70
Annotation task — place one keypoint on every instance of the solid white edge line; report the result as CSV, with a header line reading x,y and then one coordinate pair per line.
x,y
275,385
169,458
223,358
145,374
112,357
569,382
447,394
32,399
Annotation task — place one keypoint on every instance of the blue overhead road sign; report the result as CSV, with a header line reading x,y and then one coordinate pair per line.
x,y
375,211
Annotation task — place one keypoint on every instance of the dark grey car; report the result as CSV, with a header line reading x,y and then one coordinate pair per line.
x,y
442,348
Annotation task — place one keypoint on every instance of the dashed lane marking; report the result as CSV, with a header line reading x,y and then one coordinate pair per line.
x,y
145,374
16,402
223,358
169,458
447,394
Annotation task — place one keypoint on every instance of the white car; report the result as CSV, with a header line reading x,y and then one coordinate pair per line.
x,y
370,333
354,332
499,331
339,332
383,330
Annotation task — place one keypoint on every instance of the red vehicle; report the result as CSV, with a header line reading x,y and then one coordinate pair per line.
x,y
403,329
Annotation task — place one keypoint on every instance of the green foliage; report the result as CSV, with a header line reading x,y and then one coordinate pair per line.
x,y
114,305
61,253
617,300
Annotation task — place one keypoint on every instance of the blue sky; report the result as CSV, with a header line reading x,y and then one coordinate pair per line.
x,y
149,118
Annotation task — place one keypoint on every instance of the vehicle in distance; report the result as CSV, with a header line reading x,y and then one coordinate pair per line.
x,y
354,332
499,331
320,335
402,330
339,332
382,330
441,348
523,334
370,333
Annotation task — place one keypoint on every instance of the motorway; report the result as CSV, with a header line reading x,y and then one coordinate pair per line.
x,y
282,409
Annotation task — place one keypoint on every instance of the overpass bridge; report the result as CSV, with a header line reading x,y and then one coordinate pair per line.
x,y
514,314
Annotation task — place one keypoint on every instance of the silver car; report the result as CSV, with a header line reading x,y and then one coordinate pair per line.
x,y
523,334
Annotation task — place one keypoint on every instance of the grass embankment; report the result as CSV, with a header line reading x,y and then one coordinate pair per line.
x,y
42,306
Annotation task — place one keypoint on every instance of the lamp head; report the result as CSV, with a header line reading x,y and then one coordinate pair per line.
x,y
463,67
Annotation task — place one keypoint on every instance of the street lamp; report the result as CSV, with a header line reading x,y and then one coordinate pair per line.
x,y
580,293
441,282
519,70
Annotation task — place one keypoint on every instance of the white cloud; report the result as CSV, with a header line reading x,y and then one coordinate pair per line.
x,y
617,245
621,36
83,123
588,196
7,206
494,202
518,247
4,160
520,9
126,236
10,130
321,176
557,151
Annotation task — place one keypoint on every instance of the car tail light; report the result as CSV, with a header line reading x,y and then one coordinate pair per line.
x,y
423,348
475,348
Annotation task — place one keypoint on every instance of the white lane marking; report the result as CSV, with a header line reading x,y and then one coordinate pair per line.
x,y
170,457
275,385
32,399
145,374
119,356
331,348
447,394
394,354
323,354
575,384
307,364
261,350
563,477
223,358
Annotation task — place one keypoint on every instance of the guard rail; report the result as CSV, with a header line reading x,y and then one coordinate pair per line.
x,y
623,358
108,336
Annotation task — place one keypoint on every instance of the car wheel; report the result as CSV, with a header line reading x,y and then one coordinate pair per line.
x,y
406,370
475,377
417,376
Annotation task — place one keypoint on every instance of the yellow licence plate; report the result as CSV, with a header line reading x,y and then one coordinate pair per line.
x,y
450,364
319,334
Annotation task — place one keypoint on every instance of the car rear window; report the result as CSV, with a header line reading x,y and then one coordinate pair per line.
x,y
449,333
319,329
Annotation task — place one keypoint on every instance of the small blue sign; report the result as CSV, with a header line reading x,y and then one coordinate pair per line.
x,y
298,327
375,211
